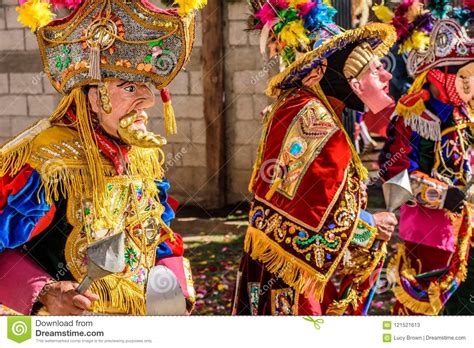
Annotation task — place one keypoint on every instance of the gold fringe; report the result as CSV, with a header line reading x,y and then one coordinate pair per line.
x,y
91,150
285,266
64,181
119,296
402,296
416,306
385,32
15,153
409,111
170,119
147,163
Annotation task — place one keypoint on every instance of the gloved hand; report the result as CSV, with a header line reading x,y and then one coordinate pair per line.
x,y
454,200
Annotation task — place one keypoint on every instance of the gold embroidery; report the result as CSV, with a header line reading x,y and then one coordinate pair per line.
x,y
308,133
303,258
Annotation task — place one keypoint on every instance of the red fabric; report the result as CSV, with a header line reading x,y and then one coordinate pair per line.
x,y
446,85
12,185
378,123
108,148
165,95
308,306
324,176
174,204
177,246
400,144
44,222
431,259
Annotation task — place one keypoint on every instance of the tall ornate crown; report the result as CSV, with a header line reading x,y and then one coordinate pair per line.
x,y
105,39
449,45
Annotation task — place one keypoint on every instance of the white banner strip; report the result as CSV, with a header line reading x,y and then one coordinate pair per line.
x,y
235,331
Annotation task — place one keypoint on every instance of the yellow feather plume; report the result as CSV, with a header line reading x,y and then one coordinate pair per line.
x,y
294,34
295,3
188,6
34,14
383,13
418,40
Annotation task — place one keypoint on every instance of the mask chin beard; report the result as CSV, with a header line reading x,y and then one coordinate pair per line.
x,y
132,135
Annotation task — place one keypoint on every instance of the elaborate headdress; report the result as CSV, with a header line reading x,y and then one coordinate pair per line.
x,y
292,22
377,39
102,40
449,45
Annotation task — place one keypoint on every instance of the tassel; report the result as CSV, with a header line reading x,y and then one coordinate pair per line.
x,y
170,119
276,184
94,62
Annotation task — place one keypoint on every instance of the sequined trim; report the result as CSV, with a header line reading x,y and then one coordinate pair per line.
x,y
284,302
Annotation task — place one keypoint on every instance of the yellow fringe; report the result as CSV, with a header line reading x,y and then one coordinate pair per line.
x,y
419,106
410,111
426,308
147,163
285,266
15,153
170,119
119,296
63,181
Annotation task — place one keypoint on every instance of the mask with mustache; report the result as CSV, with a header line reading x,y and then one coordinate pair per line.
x,y
132,134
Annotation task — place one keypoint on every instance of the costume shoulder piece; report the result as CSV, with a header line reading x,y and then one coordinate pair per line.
x,y
300,225
15,153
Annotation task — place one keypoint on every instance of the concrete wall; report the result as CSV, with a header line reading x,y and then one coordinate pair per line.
x,y
26,96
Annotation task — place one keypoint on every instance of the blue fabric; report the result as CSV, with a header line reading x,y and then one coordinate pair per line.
x,y
440,109
23,211
168,213
414,155
367,217
163,250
